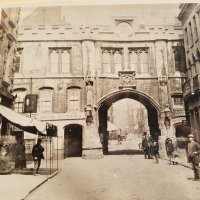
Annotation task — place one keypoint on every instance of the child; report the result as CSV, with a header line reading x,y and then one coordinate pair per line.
x,y
170,151
155,151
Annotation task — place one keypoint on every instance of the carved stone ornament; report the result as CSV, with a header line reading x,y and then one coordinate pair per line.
x,y
127,79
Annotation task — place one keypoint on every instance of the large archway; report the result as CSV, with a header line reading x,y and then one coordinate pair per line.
x,y
73,140
104,104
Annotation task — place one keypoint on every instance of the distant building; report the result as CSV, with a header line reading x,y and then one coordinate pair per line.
x,y
190,18
9,18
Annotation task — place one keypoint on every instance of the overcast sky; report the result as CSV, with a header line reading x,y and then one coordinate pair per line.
x,y
97,15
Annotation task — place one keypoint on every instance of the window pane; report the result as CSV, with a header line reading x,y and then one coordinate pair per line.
x,y
54,62
65,62
106,62
144,61
74,99
117,61
46,100
133,60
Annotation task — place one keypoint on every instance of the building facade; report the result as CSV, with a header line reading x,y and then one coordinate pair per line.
x,y
8,46
71,74
190,18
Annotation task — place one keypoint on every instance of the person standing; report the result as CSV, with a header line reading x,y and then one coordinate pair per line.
x,y
145,146
170,150
193,151
155,151
37,154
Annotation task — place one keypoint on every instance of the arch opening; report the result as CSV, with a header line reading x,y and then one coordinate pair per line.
x,y
152,110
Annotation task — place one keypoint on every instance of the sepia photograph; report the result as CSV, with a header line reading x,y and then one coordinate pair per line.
x,y
99,100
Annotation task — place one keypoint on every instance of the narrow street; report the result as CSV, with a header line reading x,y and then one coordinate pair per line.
x,y
119,177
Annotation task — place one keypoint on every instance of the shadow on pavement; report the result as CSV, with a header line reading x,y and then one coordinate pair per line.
x,y
126,152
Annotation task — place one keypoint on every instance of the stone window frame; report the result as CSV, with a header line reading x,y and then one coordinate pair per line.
x,y
112,51
20,99
18,60
138,51
47,100
181,60
73,100
59,51
177,101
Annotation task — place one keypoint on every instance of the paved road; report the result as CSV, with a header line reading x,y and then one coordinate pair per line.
x,y
119,177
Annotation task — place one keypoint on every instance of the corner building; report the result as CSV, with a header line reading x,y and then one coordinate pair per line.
x,y
69,73
190,18
9,18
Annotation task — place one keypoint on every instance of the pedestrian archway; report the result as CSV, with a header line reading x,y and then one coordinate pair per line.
x,y
104,104
73,140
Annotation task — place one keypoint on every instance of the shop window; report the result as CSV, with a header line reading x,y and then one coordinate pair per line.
x,y
46,96
74,99
19,100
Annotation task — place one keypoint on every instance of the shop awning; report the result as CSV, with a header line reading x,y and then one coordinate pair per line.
x,y
22,122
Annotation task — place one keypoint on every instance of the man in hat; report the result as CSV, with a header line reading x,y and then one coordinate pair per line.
x,y
145,145
193,151
37,153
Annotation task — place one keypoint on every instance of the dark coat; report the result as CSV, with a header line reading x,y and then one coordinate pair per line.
x,y
155,149
37,152
144,143
194,158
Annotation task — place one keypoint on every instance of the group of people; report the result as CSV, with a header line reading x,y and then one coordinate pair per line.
x,y
150,147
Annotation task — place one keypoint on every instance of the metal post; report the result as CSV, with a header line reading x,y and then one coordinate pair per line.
x,y
57,152
50,155
46,153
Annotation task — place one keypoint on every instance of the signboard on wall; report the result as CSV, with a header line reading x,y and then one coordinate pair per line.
x,y
30,103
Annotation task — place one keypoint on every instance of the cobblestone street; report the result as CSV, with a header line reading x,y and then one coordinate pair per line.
x,y
120,177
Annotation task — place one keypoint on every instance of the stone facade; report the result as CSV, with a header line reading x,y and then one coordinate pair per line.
x,y
76,72
8,45
190,18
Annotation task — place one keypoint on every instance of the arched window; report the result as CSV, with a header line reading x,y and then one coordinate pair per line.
x,y
46,99
19,101
73,99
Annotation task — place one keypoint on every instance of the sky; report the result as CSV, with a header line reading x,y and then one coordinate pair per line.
x,y
152,14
